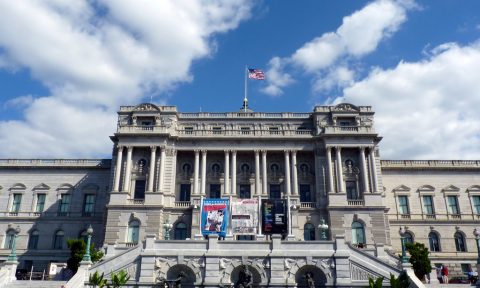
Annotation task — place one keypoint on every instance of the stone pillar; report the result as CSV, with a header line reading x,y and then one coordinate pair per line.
x,y
319,174
294,173
257,173
226,185
204,171
128,169
374,170
340,183
364,170
151,173
234,173
288,185
195,175
264,172
118,168
161,181
330,170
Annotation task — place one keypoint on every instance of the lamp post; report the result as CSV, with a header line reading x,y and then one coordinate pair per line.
x,y
13,254
404,258
323,227
476,233
86,256
168,226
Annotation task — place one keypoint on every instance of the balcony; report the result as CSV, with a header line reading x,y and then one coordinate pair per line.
x,y
308,205
355,202
136,201
349,130
182,204
436,217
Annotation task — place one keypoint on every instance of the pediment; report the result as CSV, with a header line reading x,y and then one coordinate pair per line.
x,y
451,188
18,186
41,186
346,107
65,186
474,188
426,188
147,107
401,188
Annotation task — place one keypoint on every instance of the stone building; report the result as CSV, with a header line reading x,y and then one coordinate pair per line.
x,y
145,204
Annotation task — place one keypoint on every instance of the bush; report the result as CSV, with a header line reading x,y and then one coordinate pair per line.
x,y
77,250
419,259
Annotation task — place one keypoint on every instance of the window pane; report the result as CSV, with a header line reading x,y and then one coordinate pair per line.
x,y
452,205
428,204
244,191
139,189
180,231
403,204
476,204
33,240
308,232
358,233
351,187
214,190
185,192
459,242
17,200
275,191
40,203
89,204
305,194
433,241
64,203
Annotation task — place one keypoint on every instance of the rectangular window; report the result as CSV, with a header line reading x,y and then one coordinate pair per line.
x,y
428,205
305,194
217,130
88,205
351,187
214,190
452,203
188,130
246,237
476,204
245,130
139,189
64,205
403,205
40,203
185,192
275,191
244,191
17,201
274,130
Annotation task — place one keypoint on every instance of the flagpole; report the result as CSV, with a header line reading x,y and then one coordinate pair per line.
x,y
245,98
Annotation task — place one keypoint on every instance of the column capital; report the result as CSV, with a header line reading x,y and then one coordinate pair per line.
x,y
226,151
362,149
234,152
286,151
120,147
264,151
153,148
204,151
197,151
329,148
294,152
129,147
338,148
257,151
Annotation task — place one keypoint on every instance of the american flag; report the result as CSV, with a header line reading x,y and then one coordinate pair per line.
x,y
256,74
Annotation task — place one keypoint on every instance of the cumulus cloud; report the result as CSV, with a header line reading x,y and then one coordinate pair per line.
x,y
359,35
426,109
276,78
94,56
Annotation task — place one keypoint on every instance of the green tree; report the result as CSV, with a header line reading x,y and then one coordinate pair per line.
x,y
119,279
375,283
77,250
96,280
419,259
400,282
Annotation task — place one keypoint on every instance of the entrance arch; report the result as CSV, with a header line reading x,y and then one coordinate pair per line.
x,y
319,277
180,269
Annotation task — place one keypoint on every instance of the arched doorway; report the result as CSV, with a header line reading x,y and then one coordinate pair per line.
x,y
301,277
239,270
187,280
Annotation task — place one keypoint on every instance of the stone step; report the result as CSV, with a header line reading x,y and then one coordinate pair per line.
x,y
36,284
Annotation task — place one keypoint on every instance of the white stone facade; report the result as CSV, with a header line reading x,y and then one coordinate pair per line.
x,y
325,163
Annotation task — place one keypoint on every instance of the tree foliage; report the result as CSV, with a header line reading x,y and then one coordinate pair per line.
x,y
119,279
400,282
375,283
77,250
419,259
96,280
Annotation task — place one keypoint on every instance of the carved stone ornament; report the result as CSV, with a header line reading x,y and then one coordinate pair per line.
x,y
345,107
361,273
146,107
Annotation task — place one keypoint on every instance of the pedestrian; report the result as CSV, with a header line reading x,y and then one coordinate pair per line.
x,y
445,274
438,269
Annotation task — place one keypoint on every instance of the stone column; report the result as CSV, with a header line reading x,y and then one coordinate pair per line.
x,y
151,173
330,169
195,175
226,184
364,170
204,171
234,173
294,173
161,181
374,169
118,169
288,185
128,169
340,170
264,172
257,173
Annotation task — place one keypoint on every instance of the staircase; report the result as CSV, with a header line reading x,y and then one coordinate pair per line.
x,y
36,284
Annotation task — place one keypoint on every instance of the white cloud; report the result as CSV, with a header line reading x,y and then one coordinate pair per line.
x,y
337,77
96,55
426,109
277,79
359,35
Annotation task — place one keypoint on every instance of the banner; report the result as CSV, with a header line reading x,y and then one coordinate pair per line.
x,y
274,216
245,217
215,216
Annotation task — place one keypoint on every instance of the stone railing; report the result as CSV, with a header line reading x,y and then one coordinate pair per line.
x,y
142,128
136,201
49,214
99,163
182,204
349,129
430,164
355,202
288,115
308,205
465,216
246,133
162,109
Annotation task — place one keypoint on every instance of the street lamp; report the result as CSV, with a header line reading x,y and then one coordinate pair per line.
x,y
323,227
86,256
13,254
402,232
168,226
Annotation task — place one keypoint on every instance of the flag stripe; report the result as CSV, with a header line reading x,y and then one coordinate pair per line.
x,y
256,74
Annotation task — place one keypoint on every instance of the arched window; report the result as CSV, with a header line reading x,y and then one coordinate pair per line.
x,y
133,230
245,168
408,237
9,238
187,168
33,240
434,242
308,232
274,168
180,231
58,239
215,168
460,242
358,233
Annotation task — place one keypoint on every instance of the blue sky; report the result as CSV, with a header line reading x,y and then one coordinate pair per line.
x,y
66,68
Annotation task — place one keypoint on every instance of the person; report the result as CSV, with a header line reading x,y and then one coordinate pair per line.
x,y
438,269
445,274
